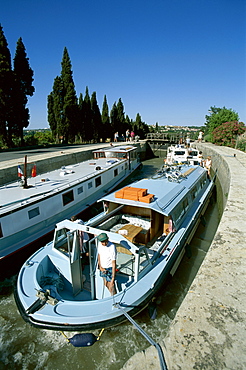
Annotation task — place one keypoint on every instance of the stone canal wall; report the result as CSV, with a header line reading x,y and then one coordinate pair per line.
x,y
208,331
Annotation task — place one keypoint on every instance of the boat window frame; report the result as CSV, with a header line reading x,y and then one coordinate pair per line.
x,y
34,212
116,172
1,231
69,199
98,181
80,190
62,235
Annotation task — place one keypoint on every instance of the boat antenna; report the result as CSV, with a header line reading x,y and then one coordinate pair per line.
x,y
84,339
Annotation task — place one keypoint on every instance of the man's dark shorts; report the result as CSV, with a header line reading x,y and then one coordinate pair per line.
x,y
107,274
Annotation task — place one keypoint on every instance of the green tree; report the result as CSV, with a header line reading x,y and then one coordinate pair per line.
x,y
121,122
87,116
6,79
105,127
63,111
55,109
70,103
22,87
113,120
227,133
128,123
218,116
81,129
96,119
141,129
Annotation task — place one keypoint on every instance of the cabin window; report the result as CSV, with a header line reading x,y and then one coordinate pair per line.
x,y
194,193
68,197
64,240
178,213
116,172
98,181
90,185
33,212
1,232
185,204
80,190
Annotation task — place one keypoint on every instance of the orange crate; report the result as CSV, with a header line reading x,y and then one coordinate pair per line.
x,y
119,194
142,192
147,198
131,196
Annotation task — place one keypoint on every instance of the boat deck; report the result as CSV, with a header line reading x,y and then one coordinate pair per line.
x,y
52,181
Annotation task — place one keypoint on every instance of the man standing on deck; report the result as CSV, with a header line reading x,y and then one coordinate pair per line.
x,y
107,261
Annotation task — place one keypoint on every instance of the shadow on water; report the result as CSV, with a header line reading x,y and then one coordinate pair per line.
x,y
24,347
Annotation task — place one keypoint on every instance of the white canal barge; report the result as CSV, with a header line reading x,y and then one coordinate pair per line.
x,y
179,153
150,222
32,211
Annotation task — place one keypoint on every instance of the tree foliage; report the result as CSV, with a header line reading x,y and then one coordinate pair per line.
x,y
15,86
218,116
63,111
105,126
227,133
5,87
22,87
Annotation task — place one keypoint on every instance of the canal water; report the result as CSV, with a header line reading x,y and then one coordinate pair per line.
x,y
25,347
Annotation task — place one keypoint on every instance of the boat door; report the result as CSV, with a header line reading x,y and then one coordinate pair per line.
x,y
75,262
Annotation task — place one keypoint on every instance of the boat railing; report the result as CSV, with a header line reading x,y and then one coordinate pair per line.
x,y
163,246
171,172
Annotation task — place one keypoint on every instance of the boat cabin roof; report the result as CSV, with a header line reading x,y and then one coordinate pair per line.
x,y
53,181
117,149
166,194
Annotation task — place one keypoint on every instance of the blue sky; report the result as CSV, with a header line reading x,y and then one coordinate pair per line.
x,y
168,60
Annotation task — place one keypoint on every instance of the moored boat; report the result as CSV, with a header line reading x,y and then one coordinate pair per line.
x,y
150,223
30,208
179,153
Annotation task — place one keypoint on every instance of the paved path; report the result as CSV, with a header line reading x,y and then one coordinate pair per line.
x,y
9,159
209,329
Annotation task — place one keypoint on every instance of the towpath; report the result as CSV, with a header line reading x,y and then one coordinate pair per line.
x,y
209,329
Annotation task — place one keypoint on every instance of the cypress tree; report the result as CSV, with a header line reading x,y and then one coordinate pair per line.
x,y
114,120
121,116
87,116
63,112
23,79
96,118
70,103
5,89
105,127
55,110
81,130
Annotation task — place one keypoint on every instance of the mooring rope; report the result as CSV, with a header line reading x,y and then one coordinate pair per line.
x,y
146,336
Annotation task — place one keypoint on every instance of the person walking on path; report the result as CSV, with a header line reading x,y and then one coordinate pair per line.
x,y
132,135
200,136
127,135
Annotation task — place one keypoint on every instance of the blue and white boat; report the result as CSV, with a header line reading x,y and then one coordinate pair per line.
x,y
30,208
180,154
150,222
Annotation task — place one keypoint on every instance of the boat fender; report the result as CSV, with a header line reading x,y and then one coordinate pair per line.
x,y
83,340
